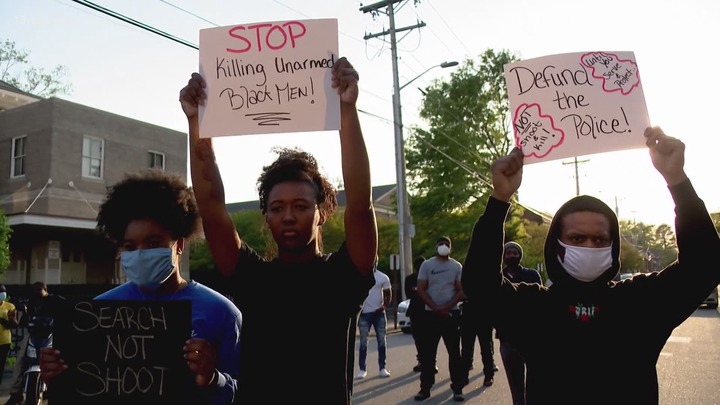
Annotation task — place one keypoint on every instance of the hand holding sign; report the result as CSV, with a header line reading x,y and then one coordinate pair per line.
x,y
202,360
51,364
667,154
344,80
193,95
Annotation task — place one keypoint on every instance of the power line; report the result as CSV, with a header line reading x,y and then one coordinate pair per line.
x,y
387,120
134,22
189,12
449,29
164,34
485,180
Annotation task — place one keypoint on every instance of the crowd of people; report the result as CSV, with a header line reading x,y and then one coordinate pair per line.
x,y
550,354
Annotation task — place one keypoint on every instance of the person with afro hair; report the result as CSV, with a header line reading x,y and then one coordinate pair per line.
x,y
298,306
151,216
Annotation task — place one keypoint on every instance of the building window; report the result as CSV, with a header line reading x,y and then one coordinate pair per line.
x,y
156,160
92,157
17,168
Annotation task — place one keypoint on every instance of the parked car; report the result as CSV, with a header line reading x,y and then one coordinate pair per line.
x,y
625,276
712,300
403,320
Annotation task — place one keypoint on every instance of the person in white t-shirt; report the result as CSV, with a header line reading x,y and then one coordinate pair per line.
x,y
373,315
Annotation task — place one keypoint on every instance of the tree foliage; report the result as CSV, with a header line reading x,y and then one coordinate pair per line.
x,y
15,69
716,220
251,227
253,230
388,241
448,163
533,245
5,232
646,247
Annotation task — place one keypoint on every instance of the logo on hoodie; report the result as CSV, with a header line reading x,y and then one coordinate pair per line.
x,y
584,313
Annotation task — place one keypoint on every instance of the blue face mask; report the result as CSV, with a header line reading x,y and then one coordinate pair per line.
x,y
148,268
3,296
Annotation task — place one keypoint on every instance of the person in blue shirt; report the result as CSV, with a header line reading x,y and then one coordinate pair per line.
x,y
151,215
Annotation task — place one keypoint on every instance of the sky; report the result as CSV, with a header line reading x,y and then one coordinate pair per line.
x,y
116,67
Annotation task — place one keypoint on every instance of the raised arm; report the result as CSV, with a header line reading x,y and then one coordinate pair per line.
x,y
360,226
667,155
220,232
690,274
482,267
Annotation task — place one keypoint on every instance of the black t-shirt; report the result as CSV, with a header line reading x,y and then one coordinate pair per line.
x,y
296,322
416,306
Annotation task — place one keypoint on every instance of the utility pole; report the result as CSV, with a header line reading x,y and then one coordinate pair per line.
x,y
406,228
577,177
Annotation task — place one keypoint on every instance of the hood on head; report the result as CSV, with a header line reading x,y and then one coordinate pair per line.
x,y
513,245
579,204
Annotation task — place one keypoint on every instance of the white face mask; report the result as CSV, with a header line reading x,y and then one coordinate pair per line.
x,y
586,264
443,250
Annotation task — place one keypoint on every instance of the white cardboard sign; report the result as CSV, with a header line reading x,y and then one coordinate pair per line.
x,y
271,77
576,104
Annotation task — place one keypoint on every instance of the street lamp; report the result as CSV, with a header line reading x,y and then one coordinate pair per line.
x,y
406,229
442,65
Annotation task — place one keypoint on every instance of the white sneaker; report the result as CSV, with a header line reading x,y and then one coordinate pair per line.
x,y
384,373
360,375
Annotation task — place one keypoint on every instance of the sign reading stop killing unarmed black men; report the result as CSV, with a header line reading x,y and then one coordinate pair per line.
x,y
123,352
269,77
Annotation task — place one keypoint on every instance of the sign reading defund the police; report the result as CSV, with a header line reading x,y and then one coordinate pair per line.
x,y
269,77
123,352
576,104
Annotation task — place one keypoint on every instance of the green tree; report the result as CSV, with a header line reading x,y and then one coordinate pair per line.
x,y
5,232
251,227
333,231
533,245
716,220
653,245
15,69
449,162
388,240
630,258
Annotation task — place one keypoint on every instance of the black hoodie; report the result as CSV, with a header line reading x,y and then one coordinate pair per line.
x,y
572,334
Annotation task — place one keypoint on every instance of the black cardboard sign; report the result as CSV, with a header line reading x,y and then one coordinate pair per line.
x,y
123,352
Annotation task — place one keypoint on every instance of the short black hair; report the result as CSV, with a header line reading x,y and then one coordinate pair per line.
x,y
40,284
150,194
418,262
444,239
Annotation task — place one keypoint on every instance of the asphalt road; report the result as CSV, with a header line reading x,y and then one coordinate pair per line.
x,y
688,370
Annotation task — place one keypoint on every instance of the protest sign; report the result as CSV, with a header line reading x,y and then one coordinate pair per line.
x,y
271,77
123,352
576,104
